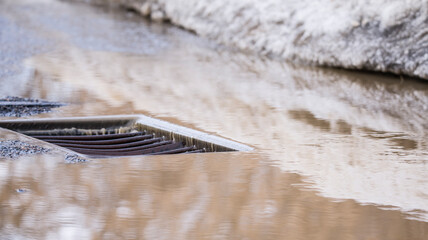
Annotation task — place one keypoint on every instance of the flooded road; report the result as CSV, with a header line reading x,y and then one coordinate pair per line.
x,y
338,154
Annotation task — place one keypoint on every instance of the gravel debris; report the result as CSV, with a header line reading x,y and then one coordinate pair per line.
x,y
23,110
15,148
74,158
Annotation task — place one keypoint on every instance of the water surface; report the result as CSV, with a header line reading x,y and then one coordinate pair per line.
x,y
338,154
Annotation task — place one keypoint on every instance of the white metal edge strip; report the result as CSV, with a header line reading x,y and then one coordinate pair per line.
x,y
170,127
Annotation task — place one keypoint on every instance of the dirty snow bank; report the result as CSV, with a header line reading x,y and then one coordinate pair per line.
x,y
380,35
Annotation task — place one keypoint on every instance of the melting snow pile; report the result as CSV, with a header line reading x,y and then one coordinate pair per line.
x,y
380,35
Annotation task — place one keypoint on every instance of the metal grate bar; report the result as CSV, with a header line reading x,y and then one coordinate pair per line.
x,y
125,149
100,142
111,146
97,152
197,151
86,137
172,151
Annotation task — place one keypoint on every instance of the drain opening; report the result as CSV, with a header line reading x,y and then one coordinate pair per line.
x,y
129,135
123,144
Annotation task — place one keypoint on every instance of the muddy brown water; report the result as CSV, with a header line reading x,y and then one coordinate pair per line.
x,y
338,154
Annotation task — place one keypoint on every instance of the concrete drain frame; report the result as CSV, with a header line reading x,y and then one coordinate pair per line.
x,y
121,135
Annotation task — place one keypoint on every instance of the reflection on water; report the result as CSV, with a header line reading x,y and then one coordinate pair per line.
x,y
301,127
216,196
358,140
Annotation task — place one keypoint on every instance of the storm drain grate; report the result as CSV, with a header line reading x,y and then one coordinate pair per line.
x,y
124,144
121,136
